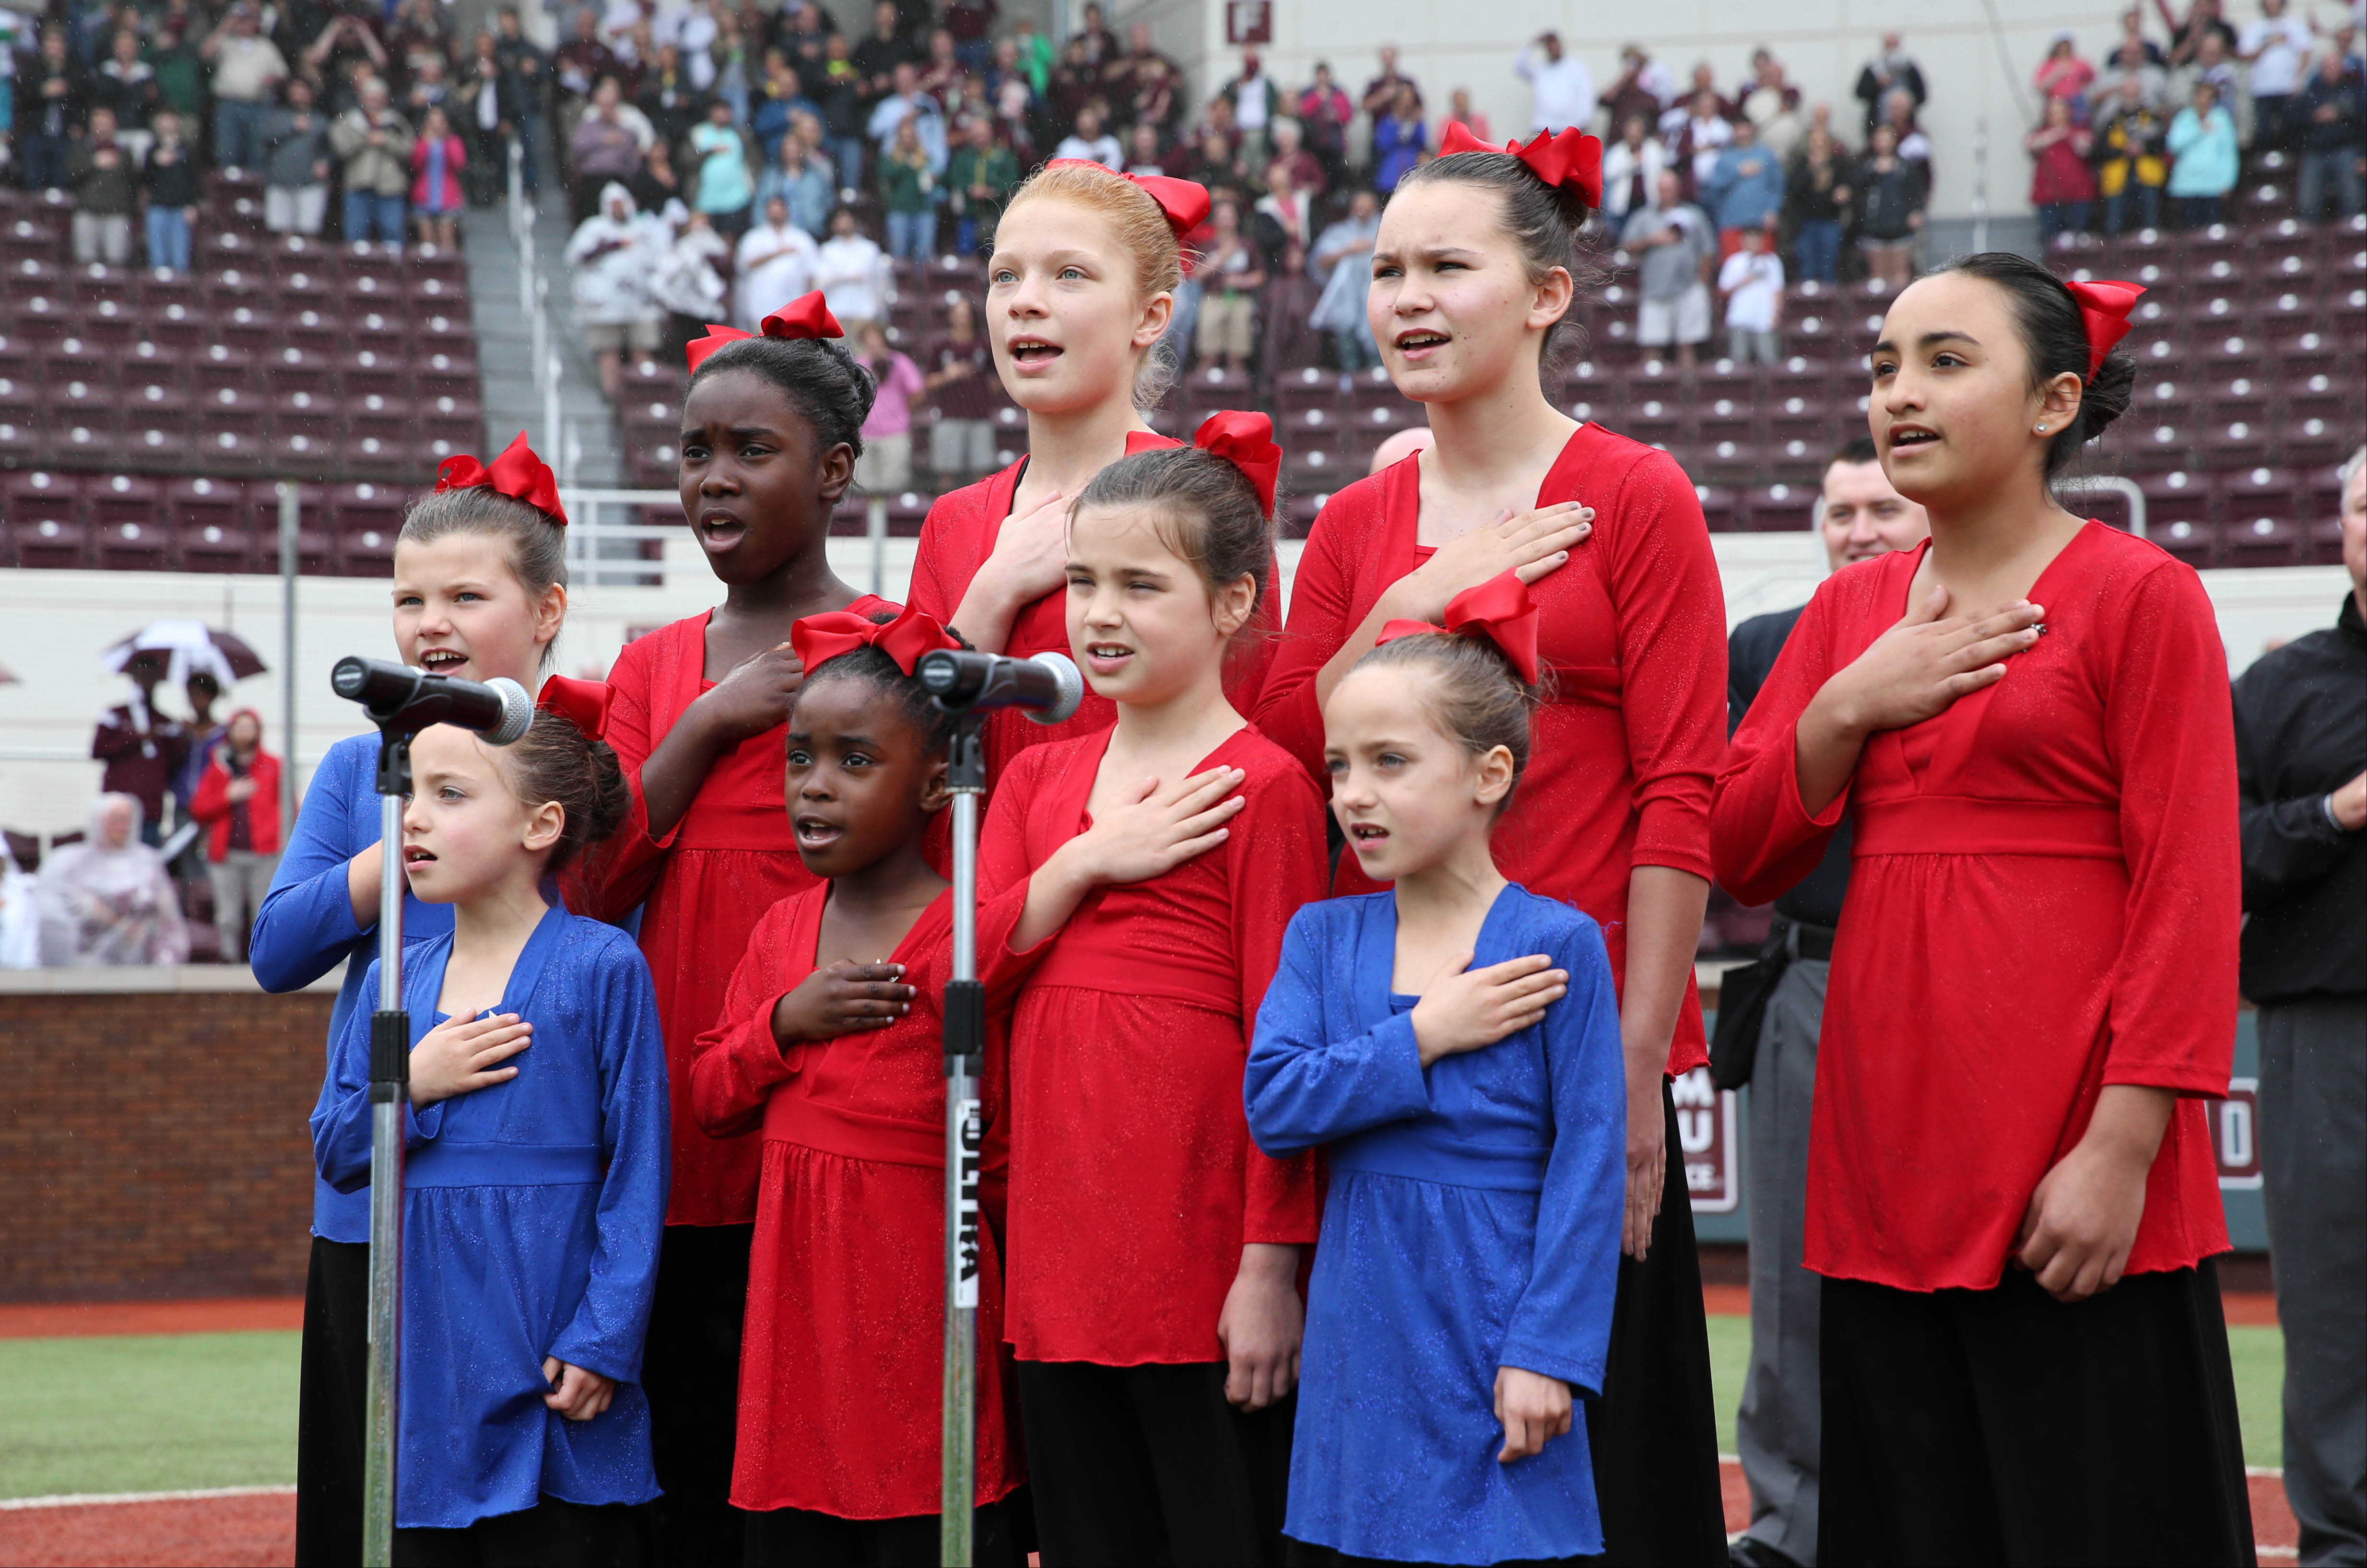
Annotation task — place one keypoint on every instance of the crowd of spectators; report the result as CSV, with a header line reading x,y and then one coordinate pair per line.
x,y
2157,132
764,156
828,160
127,107
719,159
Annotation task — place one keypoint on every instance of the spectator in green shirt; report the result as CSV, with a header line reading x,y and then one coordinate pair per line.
x,y
981,176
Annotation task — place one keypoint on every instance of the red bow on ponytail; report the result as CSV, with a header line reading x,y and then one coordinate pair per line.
x,y
2104,308
1246,441
819,638
806,317
516,473
1560,158
1498,610
583,703
1185,203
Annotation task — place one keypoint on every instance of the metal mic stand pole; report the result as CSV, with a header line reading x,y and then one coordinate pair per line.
x,y
389,1096
965,1015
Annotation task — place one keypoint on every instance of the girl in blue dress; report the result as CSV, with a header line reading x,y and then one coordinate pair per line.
x,y
535,1181
480,590
1453,1042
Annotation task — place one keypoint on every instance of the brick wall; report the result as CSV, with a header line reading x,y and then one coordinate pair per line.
x,y
154,1144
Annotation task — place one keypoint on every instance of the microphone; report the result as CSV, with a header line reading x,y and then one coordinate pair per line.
x,y
1045,688
400,698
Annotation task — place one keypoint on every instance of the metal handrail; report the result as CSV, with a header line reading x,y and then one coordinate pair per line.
x,y
534,303
2126,490
605,539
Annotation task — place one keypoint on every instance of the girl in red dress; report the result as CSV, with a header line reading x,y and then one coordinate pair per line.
x,y
836,1053
1077,296
1472,276
2012,1193
1141,878
771,428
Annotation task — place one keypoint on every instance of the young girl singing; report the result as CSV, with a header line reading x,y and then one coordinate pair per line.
x,y
2012,1193
535,1182
479,592
1472,278
772,425
832,1039
1456,1042
1078,295
1152,1295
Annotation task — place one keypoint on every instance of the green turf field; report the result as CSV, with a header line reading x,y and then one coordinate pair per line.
x,y
164,1412
147,1413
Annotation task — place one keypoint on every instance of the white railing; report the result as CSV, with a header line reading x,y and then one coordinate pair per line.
x,y
2110,484
610,541
534,304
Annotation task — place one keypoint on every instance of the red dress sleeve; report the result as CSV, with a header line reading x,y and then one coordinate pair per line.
x,y
1671,629
1282,1198
946,558
1322,612
2170,725
608,882
1762,840
735,1065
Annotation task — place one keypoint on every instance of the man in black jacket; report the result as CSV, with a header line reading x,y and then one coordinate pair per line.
x,y
2301,759
1860,517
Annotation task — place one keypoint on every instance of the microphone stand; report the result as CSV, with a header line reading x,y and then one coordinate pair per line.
x,y
390,1097
965,1044
401,702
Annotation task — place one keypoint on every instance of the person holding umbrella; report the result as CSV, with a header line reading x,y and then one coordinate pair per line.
x,y
143,748
147,754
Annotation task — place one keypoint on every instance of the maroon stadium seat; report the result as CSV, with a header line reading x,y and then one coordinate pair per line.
x,y
212,526
46,526
2263,541
2193,541
1778,508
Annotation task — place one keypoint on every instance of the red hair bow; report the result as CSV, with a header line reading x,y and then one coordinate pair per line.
x,y
583,703
807,316
1186,203
820,638
1246,441
516,473
1499,610
1558,158
2104,308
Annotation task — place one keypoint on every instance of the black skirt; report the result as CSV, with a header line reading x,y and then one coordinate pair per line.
x,y
1152,1464
332,1405
1653,1434
797,1538
690,1372
2003,1425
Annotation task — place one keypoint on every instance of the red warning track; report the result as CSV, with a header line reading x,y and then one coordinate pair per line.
x,y
260,1532
236,1532
260,1529
226,1314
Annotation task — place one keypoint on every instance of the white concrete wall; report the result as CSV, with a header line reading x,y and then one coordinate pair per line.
x,y
54,625
1446,44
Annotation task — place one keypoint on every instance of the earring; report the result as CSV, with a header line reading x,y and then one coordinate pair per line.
x,y
2038,430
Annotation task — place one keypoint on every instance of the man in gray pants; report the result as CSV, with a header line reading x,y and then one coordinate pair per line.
x,y
2301,757
1860,517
